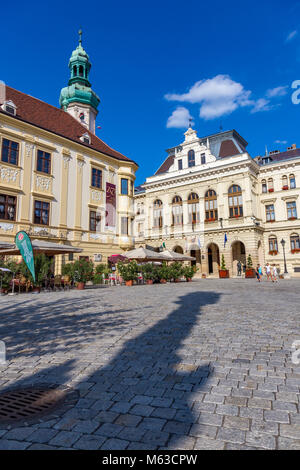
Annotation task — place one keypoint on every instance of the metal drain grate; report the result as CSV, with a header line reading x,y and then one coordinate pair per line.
x,y
26,403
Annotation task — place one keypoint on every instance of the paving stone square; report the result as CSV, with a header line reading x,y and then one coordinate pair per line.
x,y
200,365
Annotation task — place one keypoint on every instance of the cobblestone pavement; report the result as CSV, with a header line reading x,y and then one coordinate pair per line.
x,y
201,365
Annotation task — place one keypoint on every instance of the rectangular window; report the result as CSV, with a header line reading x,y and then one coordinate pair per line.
x,y
96,178
292,182
124,225
203,158
95,222
157,218
124,186
291,210
43,163
41,212
8,207
179,164
270,213
193,213
10,152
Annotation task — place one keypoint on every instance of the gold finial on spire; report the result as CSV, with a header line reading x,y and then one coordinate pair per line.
x,y
80,36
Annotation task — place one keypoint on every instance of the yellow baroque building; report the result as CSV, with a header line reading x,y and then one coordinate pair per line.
x,y
211,198
58,181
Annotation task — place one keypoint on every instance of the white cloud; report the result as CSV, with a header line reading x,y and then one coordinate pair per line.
x,y
278,91
291,35
283,142
179,118
217,96
261,105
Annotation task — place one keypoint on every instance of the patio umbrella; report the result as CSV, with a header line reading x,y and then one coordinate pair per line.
x,y
143,254
170,255
41,246
117,258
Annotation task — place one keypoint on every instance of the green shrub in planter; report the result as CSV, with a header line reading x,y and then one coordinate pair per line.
x,y
83,270
68,270
128,271
164,272
148,271
189,271
97,279
176,270
100,268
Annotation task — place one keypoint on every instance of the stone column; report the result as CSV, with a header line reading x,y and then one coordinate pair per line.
x,y
78,203
66,157
28,167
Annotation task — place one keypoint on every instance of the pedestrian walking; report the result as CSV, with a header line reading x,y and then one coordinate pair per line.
x,y
239,268
268,272
258,272
274,274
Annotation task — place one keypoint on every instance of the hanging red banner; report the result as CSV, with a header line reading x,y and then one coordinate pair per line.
x,y
110,205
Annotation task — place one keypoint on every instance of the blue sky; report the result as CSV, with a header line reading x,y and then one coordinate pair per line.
x,y
156,63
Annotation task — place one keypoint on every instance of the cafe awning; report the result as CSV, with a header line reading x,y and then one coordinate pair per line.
x,y
41,246
143,254
170,255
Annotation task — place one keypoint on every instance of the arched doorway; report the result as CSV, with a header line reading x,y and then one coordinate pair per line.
x,y
178,249
213,256
238,257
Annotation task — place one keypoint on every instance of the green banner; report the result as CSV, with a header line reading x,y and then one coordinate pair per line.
x,y
23,242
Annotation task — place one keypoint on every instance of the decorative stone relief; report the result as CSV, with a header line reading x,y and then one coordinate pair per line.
x,y
66,159
43,183
8,174
6,227
28,149
96,195
95,236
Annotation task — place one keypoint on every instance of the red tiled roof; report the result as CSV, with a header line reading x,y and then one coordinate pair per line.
x,y
52,119
166,165
228,149
293,153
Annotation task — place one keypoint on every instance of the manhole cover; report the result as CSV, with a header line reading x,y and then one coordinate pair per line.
x,y
25,404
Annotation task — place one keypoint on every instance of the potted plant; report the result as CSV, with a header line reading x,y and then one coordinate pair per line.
x,y
285,187
271,190
163,273
83,272
189,272
223,272
129,272
250,271
176,271
148,273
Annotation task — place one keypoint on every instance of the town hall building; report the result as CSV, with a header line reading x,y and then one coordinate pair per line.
x,y
211,198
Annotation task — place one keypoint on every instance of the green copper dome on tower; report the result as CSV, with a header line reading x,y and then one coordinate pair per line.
x,y
79,89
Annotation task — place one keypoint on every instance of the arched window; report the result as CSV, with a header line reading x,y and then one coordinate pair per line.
x,y
177,215
292,181
235,200
191,158
193,208
74,71
295,242
264,188
273,245
80,70
158,214
211,205
270,185
285,182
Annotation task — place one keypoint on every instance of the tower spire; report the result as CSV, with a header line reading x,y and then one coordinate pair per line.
x,y
80,36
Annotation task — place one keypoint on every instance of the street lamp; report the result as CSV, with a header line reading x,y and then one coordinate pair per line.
x,y
283,247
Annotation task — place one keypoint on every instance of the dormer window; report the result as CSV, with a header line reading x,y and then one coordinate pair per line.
x,y
85,138
10,107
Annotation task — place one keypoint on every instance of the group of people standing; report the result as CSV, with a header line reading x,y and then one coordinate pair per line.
x,y
271,272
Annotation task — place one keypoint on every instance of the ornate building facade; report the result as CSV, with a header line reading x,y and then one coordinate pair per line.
x,y
210,198
58,180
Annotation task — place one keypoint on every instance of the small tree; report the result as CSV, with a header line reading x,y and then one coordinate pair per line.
x,y
249,262
83,270
148,271
223,264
